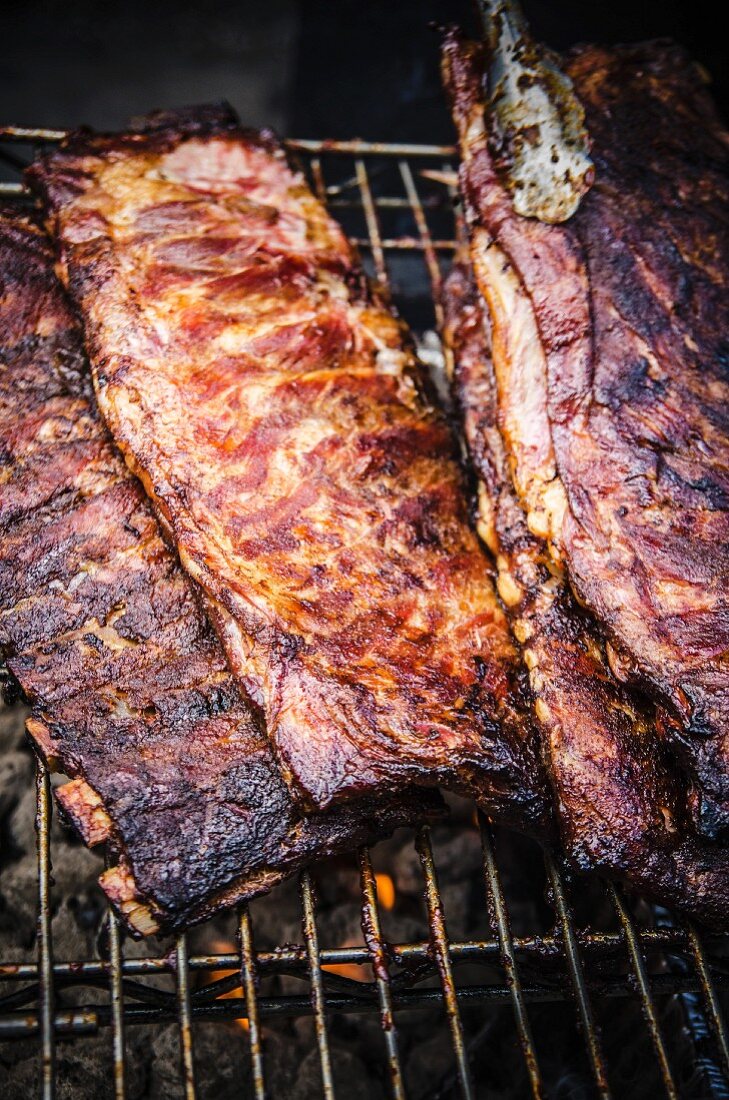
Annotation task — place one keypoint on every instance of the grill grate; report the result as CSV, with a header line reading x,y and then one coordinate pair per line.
x,y
396,201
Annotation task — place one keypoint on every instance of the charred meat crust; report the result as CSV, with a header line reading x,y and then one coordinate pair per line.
x,y
271,405
626,375
621,802
130,690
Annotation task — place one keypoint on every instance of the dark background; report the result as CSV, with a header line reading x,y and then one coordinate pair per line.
x,y
339,68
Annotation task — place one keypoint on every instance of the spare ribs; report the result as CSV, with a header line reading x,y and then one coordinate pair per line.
x,y
272,406
610,354
622,806
130,690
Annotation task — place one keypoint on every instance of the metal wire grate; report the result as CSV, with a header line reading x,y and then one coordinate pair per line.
x,y
396,201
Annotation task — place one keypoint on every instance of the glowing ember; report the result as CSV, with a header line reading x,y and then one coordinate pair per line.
x,y
358,972
385,891
362,972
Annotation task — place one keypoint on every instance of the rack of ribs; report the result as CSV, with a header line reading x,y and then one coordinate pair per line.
x,y
130,690
270,402
622,807
610,357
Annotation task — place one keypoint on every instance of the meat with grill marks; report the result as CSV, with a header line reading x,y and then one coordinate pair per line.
x,y
130,690
610,356
272,405
622,803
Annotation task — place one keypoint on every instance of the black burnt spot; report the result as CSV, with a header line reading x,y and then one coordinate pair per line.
x,y
221,699
721,359
632,385
706,491
421,524
287,646
633,299
699,723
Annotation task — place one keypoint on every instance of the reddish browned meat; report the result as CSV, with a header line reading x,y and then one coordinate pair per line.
x,y
130,690
610,353
274,410
622,806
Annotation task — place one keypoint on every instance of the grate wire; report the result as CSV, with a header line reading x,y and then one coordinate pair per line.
x,y
318,1001
644,988
372,933
508,956
117,1007
46,991
577,976
441,953
709,994
249,975
184,1016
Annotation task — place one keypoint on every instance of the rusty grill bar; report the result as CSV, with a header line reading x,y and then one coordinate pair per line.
x,y
413,186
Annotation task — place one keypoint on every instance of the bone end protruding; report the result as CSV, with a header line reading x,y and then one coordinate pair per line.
x,y
119,886
45,742
83,806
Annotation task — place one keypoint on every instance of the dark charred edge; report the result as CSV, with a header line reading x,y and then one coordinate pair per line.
x,y
362,823
213,117
320,834
143,916
83,809
379,825
365,824
11,690
158,131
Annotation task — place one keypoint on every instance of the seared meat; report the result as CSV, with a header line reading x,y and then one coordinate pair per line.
x,y
130,690
610,354
622,806
274,410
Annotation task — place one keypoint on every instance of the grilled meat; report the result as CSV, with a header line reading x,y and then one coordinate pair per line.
x,y
610,354
131,693
274,410
622,806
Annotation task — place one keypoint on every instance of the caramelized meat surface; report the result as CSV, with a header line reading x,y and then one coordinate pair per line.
x,y
622,804
131,693
610,357
274,410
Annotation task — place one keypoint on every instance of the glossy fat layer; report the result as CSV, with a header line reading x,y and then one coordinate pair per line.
x,y
273,408
102,628
629,302
622,803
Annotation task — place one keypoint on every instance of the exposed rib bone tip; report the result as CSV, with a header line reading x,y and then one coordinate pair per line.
x,y
119,886
41,735
84,807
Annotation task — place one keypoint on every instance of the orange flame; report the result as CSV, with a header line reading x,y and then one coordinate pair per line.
x,y
222,947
